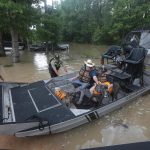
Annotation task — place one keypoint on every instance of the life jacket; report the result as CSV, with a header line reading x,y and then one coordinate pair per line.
x,y
100,87
84,75
60,94
110,88
57,63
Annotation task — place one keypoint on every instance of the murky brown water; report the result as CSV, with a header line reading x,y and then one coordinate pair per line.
x,y
105,131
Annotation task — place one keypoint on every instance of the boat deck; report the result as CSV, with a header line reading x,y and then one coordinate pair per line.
x,y
37,100
29,101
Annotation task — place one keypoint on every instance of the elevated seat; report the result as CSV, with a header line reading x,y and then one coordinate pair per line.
x,y
112,52
120,76
135,63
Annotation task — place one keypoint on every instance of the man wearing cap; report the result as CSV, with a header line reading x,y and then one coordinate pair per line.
x,y
54,65
87,77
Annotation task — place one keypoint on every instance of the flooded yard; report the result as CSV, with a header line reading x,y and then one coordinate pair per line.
x,y
126,125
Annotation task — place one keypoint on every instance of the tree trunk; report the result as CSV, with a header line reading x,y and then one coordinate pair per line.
x,y
15,51
45,6
2,52
28,44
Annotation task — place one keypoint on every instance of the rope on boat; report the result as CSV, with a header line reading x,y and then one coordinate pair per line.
x,y
39,119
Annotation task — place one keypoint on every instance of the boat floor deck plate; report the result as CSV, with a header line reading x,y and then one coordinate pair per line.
x,y
38,100
23,106
43,99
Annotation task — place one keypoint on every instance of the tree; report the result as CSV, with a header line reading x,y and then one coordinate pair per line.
x,y
17,17
129,15
48,28
102,21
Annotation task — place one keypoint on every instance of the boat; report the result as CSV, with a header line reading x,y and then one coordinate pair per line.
x,y
63,46
37,47
34,109
31,109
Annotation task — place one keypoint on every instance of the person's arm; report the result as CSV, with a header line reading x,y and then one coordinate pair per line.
x,y
95,79
74,77
54,68
94,76
65,68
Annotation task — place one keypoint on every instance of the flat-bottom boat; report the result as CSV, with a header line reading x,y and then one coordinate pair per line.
x,y
34,109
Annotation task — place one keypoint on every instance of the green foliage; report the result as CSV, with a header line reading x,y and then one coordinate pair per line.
x,y
84,21
48,28
98,21
17,14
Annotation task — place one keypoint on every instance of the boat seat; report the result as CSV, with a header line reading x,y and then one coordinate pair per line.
x,y
135,63
120,74
136,56
112,52
110,66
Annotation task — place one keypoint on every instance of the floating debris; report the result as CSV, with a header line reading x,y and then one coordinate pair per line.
x,y
119,123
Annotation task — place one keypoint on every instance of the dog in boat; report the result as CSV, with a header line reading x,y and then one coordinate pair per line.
x,y
104,91
68,97
105,88
63,95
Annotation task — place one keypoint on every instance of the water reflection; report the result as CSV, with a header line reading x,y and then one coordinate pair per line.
x,y
34,67
40,61
118,134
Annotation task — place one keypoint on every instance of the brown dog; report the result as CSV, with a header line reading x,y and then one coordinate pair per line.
x,y
97,98
116,89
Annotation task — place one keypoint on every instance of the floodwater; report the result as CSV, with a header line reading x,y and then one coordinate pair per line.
x,y
126,125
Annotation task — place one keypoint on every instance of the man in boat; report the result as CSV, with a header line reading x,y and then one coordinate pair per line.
x,y
87,77
105,87
101,88
102,74
103,84
54,65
